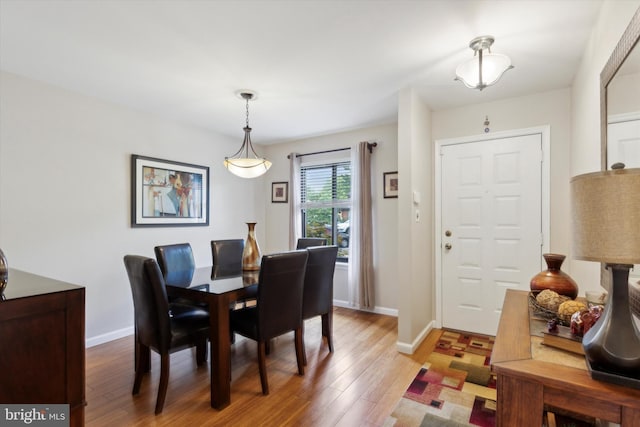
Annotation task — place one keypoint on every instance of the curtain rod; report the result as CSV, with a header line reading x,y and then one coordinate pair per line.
x,y
370,146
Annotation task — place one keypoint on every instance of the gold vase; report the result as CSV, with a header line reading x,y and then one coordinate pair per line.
x,y
251,255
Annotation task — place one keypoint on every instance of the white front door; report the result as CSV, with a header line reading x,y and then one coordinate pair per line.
x,y
491,225
623,143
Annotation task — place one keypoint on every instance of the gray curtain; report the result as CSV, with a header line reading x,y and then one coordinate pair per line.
x,y
295,217
361,289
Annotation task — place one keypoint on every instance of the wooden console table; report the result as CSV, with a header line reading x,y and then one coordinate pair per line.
x,y
527,385
42,343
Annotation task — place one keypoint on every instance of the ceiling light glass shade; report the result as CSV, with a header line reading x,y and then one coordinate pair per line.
x,y
485,68
494,66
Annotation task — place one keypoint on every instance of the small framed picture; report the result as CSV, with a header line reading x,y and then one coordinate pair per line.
x,y
390,185
279,192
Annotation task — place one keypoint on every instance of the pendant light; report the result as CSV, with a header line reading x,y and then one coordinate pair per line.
x,y
245,163
485,68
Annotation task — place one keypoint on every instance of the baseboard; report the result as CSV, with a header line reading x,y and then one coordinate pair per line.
x,y
120,333
378,310
407,348
101,339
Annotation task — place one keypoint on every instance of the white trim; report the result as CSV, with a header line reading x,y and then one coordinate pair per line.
x,y
411,348
545,133
623,117
110,336
378,310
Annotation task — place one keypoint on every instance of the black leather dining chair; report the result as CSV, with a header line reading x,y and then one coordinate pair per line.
x,y
278,309
306,242
227,252
317,297
162,326
176,263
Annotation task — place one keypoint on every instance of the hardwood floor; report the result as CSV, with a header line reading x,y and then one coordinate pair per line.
x,y
358,385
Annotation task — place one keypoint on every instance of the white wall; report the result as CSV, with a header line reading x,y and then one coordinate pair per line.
x,y
385,217
585,112
415,238
65,191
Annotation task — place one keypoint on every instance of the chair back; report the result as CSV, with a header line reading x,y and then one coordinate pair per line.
x,y
176,263
307,242
318,281
279,300
150,303
227,252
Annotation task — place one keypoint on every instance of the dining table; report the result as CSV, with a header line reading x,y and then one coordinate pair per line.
x,y
219,287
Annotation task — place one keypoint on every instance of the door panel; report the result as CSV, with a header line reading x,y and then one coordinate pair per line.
x,y
492,205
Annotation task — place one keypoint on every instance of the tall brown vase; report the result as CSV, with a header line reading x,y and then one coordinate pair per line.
x,y
553,278
251,255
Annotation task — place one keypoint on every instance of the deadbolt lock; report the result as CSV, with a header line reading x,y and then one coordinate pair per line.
x,y
447,233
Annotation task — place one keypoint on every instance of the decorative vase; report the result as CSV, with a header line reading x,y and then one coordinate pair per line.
x,y
251,255
553,278
4,272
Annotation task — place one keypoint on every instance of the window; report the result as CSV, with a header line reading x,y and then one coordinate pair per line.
x,y
325,195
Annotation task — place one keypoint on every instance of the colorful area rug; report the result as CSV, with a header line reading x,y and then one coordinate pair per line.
x,y
454,387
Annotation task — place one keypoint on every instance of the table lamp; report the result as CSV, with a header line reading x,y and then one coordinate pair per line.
x,y
606,228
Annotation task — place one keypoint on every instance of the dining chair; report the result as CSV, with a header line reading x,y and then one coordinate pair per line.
x,y
278,309
306,242
317,297
176,263
227,252
162,326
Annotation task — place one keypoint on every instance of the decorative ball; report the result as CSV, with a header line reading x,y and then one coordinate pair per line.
x,y
551,300
567,308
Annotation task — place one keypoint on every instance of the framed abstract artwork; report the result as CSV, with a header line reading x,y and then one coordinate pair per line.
x,y
167,193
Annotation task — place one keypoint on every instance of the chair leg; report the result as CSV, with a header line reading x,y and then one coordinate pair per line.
x,y
327,328
201,352
262,365
140,367
164,382
267,347
141,352
299,350
304,348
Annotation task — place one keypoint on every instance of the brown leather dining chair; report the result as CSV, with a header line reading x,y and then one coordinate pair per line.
x,y
317,297
278,309
160,326
306,242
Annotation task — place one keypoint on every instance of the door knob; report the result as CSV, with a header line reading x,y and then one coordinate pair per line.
x,y
448,246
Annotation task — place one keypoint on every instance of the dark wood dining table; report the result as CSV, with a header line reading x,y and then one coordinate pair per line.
x,y
219,287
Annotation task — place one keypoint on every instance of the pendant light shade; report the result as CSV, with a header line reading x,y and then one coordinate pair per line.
x,y
485,68
246,163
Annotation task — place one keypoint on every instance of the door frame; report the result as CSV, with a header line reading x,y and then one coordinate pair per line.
x,y
545,133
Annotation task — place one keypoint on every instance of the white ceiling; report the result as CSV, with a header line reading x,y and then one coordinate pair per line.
x,y
318,66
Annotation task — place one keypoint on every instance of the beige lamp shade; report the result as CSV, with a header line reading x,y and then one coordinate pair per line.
x,y
606,216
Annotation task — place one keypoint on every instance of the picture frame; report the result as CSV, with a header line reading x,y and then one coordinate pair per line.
x,y
390,189
167,193
280,192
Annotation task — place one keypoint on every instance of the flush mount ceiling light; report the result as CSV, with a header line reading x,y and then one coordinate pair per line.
x,y
485,68
246,163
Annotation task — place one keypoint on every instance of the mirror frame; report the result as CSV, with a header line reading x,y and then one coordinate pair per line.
x,y
626,44
624,47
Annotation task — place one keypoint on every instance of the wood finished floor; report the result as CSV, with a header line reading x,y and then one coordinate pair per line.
x,y
358,385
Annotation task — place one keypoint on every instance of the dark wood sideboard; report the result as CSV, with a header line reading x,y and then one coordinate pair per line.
x,y
42,343
527,384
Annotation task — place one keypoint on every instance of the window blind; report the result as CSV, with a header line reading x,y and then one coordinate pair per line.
x,y
327,185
